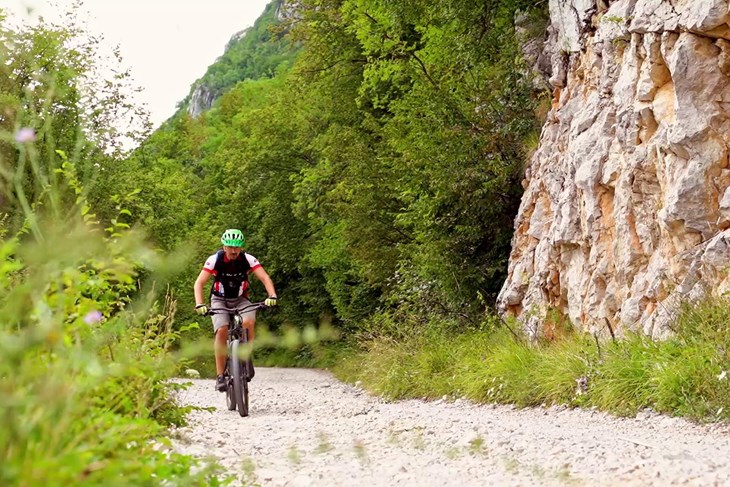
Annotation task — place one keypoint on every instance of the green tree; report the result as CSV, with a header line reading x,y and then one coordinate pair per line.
x,y
419,155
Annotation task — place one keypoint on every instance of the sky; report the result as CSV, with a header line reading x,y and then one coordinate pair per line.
x,y
167,44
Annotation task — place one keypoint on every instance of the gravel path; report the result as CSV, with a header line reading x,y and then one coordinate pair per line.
x,y
306,429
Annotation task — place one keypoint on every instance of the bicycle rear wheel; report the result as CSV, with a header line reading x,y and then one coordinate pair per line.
x,y
240,386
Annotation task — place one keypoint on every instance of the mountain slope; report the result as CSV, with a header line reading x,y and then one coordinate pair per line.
x,y
256,52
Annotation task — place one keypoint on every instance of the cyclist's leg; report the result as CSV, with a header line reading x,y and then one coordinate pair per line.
x,y
248,324
221,353
248,319
221,335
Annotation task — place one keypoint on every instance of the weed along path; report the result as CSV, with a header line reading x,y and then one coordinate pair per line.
x,y
308,429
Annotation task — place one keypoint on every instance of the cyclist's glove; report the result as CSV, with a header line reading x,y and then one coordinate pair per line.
x,y
201,309
270,301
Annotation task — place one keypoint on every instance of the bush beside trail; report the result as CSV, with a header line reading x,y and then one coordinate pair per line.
x,y
84,393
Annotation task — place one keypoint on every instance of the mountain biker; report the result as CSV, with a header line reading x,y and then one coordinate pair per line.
x,y
230,268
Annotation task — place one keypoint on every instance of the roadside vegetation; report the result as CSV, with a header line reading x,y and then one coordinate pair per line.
x,y
86,335
686,375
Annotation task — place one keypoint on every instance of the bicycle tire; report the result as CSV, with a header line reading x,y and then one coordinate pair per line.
x,y
246,371
240,387
230,400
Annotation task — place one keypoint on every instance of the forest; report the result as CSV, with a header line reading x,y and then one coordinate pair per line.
x,y
374,168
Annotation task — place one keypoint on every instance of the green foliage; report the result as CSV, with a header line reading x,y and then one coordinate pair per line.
x,y
370,151
378,171
323,355
74,108
419,143
624,379
686,375
563,365
83,382
85,397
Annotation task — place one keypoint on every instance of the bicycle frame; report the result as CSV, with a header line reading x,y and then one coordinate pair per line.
x,y
237,372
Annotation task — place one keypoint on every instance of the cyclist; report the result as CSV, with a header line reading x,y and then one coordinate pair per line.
x,y
230,268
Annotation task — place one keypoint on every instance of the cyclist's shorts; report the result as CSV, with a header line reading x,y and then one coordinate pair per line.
x,y
221,320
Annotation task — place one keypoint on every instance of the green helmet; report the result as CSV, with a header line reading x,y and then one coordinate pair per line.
x,y
233,238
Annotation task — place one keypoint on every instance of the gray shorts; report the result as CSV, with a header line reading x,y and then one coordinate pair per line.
x,y
221,320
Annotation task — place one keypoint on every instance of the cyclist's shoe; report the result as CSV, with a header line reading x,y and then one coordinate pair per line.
x,y
251,371
220,384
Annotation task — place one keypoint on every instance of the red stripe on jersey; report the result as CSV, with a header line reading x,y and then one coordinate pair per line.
x,y
210,271
254,268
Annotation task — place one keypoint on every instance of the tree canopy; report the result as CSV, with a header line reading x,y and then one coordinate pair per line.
x,y
371,151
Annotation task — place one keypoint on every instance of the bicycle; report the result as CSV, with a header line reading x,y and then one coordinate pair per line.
x,y
237,372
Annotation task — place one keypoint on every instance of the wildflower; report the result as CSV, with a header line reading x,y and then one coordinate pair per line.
x,y
723,375
26,134
92,317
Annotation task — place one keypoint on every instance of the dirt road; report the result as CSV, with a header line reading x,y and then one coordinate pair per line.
x,y
308,429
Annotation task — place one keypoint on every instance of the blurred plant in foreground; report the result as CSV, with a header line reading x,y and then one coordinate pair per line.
x,y
83,391
84,338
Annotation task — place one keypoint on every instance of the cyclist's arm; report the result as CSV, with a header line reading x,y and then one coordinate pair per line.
x,y
262,276
199,283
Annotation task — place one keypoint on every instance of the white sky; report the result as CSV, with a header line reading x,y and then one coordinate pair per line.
x,y
168,44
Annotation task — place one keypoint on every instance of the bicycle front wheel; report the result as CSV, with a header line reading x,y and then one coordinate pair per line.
x,y
230,399
240,386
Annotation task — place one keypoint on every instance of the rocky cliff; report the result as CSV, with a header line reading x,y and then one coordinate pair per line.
x,y
201,100
626,211
253,53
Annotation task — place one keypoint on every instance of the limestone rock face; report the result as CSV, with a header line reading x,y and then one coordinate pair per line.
x,y
626,211
201,100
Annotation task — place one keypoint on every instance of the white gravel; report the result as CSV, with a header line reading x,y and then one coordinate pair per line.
x,y
307,428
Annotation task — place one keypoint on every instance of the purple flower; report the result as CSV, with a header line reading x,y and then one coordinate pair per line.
x,y
26,134
92,317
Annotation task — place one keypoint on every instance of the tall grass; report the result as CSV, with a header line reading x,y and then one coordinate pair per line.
x,y
685,375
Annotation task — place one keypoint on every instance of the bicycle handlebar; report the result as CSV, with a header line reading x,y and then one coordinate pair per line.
x,y
218,311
